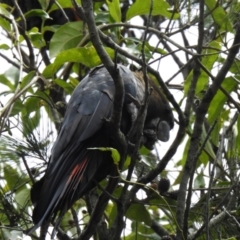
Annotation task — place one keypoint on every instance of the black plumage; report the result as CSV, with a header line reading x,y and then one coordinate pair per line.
x,y
73,169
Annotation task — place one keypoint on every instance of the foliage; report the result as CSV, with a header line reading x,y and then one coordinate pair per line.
x,y
191,45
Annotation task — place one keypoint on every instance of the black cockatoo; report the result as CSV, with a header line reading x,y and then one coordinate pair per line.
x,y
74,169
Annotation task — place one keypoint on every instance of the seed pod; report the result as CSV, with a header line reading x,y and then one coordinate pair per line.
x,y
84,211
163,185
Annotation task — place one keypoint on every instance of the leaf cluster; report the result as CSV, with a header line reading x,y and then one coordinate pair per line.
x,y
190,49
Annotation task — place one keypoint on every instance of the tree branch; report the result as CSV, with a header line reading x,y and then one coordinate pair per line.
x,y
115,118
200,115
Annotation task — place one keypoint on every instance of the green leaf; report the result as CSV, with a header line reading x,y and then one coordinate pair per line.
x,y
199,181
112,213
160,7
48,71
11,176
44,4
97,5
208,61
144,151
204,158
208,146
114,9
5,81
221,121
238,134
238,210
220,16
66,37
136,49
3,11
32,104
157,50
7,150
66,86
183,159
43,98
4,46
30,122
37,13
17,107
36,38
126,163
27,79
31,114
221,183
117,192
52,28
235,66
22,197
139,213
132,40
114,153
85,55
74,82
217,104
12,73
63,4
102,17
65,222
142,228
5,24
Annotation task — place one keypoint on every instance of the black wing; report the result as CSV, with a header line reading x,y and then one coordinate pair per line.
x,y
72,166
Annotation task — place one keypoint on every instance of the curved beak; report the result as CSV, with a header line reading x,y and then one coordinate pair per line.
x,y
163,131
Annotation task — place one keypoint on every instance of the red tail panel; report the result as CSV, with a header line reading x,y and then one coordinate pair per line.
x,y
78,169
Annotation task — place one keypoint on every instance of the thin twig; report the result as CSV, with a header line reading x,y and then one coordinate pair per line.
x,y
115,118
62,10
200,116
76,221
6,111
